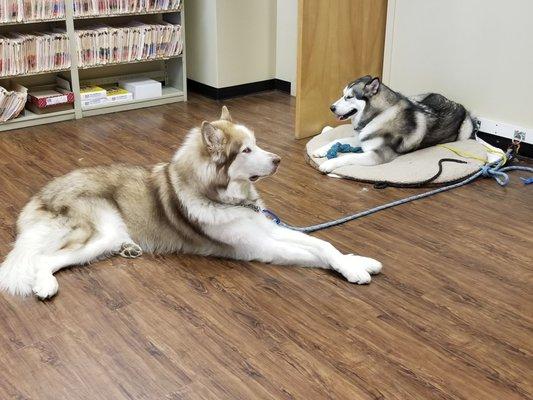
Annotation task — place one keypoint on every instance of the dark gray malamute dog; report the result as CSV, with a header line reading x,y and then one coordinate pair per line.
x,y
387,124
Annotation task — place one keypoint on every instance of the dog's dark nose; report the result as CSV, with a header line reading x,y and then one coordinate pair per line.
x,y
276,160
333,108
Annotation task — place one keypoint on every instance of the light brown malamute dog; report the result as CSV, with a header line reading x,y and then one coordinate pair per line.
x,y
202,202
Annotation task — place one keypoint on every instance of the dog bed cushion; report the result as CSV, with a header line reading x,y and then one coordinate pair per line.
x,y
408,169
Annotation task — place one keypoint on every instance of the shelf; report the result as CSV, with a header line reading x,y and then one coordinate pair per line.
x,y
129,62
126,14
54,71
170,95
168,69
31,119
32,21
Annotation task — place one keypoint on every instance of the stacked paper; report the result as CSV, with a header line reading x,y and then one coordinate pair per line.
x,y
96,95
92,96
110,7
12,101
116,94
30,10
103,44
23,53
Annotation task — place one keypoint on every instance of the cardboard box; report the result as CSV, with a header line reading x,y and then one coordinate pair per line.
x,y
49,97
142,88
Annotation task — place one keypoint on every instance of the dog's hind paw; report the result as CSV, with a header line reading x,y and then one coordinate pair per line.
x,y
130,250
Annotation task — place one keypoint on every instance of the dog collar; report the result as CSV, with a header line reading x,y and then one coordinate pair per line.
x,y
251,206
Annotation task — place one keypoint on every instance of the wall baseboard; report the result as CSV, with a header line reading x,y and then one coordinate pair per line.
x,y
282,86
504,130
238,90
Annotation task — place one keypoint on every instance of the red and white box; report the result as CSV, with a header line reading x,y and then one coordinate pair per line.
x,y
44,101
50,97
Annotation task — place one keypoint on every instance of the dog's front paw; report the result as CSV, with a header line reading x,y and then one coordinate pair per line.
x,y
320,152
357,269
329,165
356,275
373,267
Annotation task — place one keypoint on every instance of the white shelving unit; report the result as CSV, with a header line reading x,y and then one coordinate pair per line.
x,y
171,71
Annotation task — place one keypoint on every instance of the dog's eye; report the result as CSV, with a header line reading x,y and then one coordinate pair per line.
x,y
247,150
348,97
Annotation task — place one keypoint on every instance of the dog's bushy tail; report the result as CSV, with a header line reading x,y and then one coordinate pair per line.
x,y
468,128
18,270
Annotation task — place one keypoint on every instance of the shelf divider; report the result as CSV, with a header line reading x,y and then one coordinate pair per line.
x,y
143,60
74,76
32,21
54,71
170,95
150,12
31,119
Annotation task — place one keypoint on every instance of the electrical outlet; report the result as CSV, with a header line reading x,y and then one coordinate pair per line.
x,y
519,135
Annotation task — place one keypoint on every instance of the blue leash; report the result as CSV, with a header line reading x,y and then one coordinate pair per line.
x,y
494,170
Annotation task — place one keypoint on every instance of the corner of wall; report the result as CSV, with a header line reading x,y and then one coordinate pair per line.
x,y
286,41
202,41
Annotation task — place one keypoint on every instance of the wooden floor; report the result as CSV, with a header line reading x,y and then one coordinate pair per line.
x,y
450,317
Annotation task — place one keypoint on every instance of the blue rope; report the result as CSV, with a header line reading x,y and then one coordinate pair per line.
x,y
494,170
341,148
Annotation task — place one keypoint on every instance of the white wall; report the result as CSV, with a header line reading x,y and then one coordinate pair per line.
x,y
246,41
286,41
478,52
233,42
230,42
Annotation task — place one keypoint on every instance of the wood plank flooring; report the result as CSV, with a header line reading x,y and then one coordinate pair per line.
x,y
450,317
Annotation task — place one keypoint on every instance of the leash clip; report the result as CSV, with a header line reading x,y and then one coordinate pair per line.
x,y
270,215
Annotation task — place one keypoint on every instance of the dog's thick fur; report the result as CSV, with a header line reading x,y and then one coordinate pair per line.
x,y
202,202
387,124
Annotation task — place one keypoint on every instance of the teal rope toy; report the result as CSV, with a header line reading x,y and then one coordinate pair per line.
x,y
342,148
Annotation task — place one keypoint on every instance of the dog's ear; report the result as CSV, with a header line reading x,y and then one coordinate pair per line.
x,y
225,114
213,138
372,87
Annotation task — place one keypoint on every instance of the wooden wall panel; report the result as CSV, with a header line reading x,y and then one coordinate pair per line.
x,y
338,40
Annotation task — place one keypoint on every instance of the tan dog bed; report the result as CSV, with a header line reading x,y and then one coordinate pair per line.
x,y
409,169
